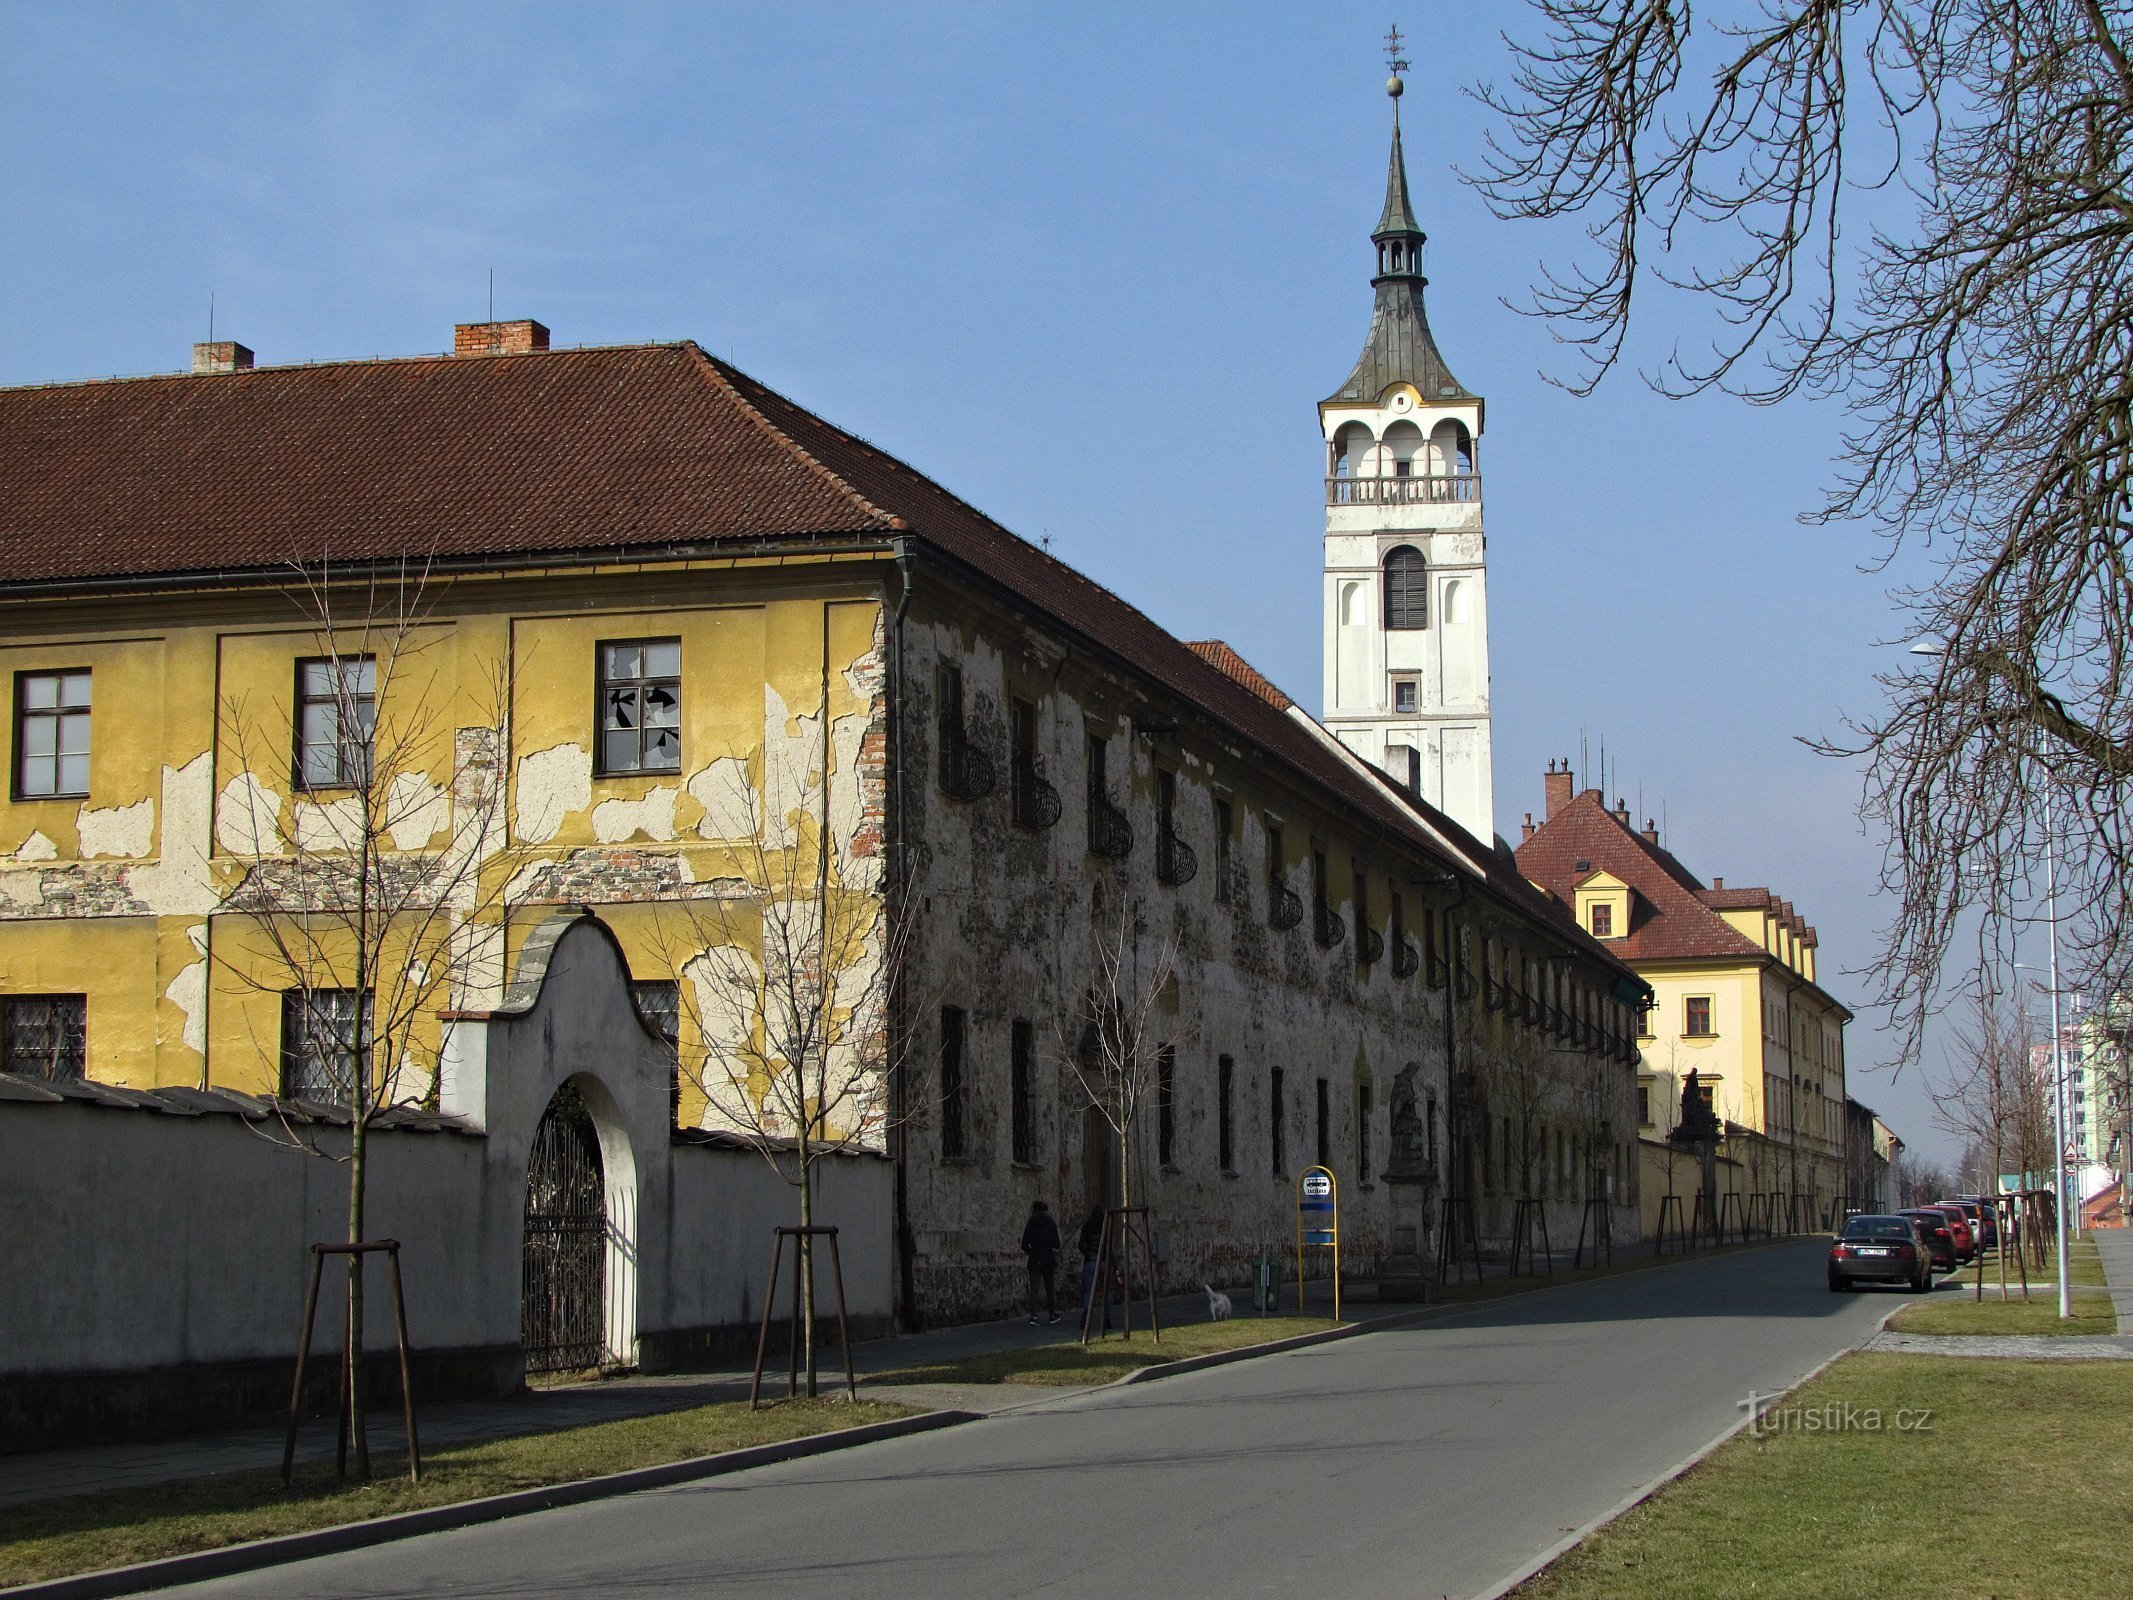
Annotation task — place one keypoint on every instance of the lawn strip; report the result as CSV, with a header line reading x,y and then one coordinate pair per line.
x,y
1961,1315
120,1527
1815,1511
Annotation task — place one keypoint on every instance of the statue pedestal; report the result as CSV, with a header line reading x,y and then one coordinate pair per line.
x,y
1403,1271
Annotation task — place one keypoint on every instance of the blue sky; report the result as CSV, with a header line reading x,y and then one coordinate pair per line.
x,y
1091,266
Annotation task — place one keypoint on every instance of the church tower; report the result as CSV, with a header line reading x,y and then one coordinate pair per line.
x,y
1406,619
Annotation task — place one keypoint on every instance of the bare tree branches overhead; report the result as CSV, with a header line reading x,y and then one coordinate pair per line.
x,y
1975,317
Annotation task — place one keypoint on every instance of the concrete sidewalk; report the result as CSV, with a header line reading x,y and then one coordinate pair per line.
x,y
49,1474
2114,1246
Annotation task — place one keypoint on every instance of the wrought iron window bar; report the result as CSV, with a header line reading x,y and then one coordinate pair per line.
x,y
1369,944
1036,802
967,772
1284,906
1327,925
1458,488
1175,863
1110,829
1406,959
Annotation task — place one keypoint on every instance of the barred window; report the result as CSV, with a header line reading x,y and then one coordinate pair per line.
x,y
1023,1091
954,1144
1226,1111
325,1036
1278,1124
51,734
640,706
45,1035
1166,1106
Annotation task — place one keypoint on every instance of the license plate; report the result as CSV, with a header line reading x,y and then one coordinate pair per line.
x,y
1873,1250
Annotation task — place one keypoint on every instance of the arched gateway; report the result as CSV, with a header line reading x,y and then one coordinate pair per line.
x,y
563,1318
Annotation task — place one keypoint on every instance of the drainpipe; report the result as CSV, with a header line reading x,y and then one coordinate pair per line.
x,y
899,891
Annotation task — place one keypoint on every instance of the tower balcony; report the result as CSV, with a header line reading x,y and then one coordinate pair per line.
x,y
1405,490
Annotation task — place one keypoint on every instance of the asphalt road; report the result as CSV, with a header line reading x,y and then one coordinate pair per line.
x,y
1424,1461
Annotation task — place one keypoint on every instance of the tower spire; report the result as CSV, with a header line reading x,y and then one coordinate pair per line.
x,y
1400,348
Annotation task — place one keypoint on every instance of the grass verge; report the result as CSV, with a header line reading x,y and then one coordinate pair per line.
x,y
116,1527
1105,1360
1850,1514
1960,1314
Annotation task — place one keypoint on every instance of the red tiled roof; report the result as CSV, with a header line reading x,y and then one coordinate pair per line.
x,y
495,458
1219,655
1669,916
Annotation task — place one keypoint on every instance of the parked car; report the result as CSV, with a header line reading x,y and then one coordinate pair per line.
x,y
1875,1249
1959,1225
1939,1238
1984,1221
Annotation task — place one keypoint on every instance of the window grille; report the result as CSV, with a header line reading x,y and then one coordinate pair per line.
x,y
640,706
325,1039
1034,803
966,771
336,718
51,734
1226,1112
1023,1092
1175,862
1166,1106
954,1092
46,1036
1110,830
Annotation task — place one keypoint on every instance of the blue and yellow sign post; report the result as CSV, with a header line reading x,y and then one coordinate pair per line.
x,y
1318,1222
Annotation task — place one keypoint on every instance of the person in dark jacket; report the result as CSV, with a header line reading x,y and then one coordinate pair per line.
x,y
1040,1245
1092,1239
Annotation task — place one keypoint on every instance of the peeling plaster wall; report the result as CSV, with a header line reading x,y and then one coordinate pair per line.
x,y
1005,935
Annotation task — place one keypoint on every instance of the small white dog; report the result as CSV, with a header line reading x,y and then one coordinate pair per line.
x,y
1218,1306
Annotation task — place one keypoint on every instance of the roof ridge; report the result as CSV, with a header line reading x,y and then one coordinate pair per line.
x,y
717,371
186,375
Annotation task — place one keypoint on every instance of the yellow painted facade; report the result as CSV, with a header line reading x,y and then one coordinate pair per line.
x,y
123,896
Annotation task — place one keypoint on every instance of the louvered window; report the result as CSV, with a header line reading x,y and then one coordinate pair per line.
x,y
1406,589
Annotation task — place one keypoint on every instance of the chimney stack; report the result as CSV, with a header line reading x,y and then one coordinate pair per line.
x,y
1528,827
1621,811
224,356
1651,833
1555,788
1718,883
499,338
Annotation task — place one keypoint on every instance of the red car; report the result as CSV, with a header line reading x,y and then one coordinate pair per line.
x,y
1940,1239
1959,1225
1879,1250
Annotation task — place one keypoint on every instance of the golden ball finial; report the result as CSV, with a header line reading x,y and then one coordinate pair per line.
x,y
1394,87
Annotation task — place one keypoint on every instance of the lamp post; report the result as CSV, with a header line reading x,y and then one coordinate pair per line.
x,y
1934,647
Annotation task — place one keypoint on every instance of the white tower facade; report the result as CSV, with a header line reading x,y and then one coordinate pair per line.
x,y
1406,598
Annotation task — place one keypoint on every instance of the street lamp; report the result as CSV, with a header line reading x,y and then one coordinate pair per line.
x,y
1934,647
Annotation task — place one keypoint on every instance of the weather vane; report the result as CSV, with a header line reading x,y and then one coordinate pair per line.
x,y
1393,42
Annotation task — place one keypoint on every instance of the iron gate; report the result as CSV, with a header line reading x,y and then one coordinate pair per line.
x,y
564,1309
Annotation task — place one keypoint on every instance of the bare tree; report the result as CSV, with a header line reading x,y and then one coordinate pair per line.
x,y
373,896
1116,1037
1983,345
1983,1098
787,975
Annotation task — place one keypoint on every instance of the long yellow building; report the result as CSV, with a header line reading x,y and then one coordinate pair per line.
x,y
1734,1001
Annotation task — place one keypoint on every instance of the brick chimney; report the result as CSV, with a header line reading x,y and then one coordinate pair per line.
x,y
498,338
224,356
1718,883
1651,833
1621,811
1527,827
1556,788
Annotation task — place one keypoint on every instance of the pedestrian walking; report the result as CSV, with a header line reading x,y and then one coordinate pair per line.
x,y
1092,1243
1040,1246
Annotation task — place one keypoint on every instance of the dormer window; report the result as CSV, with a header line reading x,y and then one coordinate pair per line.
x,y
1603,921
